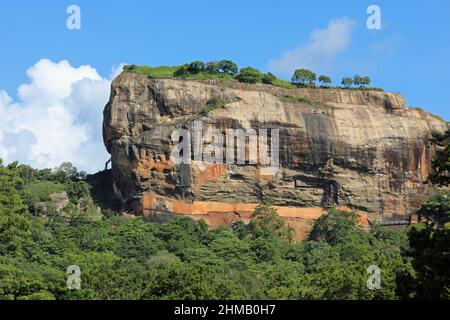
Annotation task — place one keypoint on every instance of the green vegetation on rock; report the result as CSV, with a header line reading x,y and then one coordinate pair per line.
x,y
213,105
249,75
39,191
291,99
228,70
162,72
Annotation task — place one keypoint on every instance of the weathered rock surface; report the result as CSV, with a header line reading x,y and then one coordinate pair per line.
x,y
363,150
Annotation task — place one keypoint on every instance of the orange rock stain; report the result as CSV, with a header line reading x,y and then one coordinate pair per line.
x,y
212,173
219,213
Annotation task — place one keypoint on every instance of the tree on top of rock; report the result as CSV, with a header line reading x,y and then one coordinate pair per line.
x,y
268,78
212,67
347,82
361,81
324,80
227,66
249,75
366,81
196,67
303,77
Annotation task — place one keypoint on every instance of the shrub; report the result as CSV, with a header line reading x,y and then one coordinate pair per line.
x,y
77,190
130,67
249,75
437,117
196,67
268,78
213,104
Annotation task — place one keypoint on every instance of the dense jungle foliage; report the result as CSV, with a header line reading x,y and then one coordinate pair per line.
x,y
42,234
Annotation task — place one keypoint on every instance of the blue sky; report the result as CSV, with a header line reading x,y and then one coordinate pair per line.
x,y
408,55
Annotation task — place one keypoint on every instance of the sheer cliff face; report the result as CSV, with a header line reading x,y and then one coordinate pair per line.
x,y
361,150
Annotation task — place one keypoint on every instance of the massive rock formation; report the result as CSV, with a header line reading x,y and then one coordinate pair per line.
x,y
363,150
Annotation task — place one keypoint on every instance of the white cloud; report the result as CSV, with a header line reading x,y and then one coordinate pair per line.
x,y
318,54
57,118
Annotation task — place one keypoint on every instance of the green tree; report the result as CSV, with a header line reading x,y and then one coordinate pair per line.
x,y
337,227
77,190
66,171
303,77
267,223
212,67
324,80
441,162
27,173
18,284
347,82
105,276
357,80
45,174
437,208
182,72
14,227
268,78
127,235
228,66
229,247
196,67
179,282
429,250
430,254
365,81
249,75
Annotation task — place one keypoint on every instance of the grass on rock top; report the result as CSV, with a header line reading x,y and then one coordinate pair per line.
x,y
168,72
162,72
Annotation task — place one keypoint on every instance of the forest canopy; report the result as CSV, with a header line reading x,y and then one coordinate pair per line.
x,y
41,235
